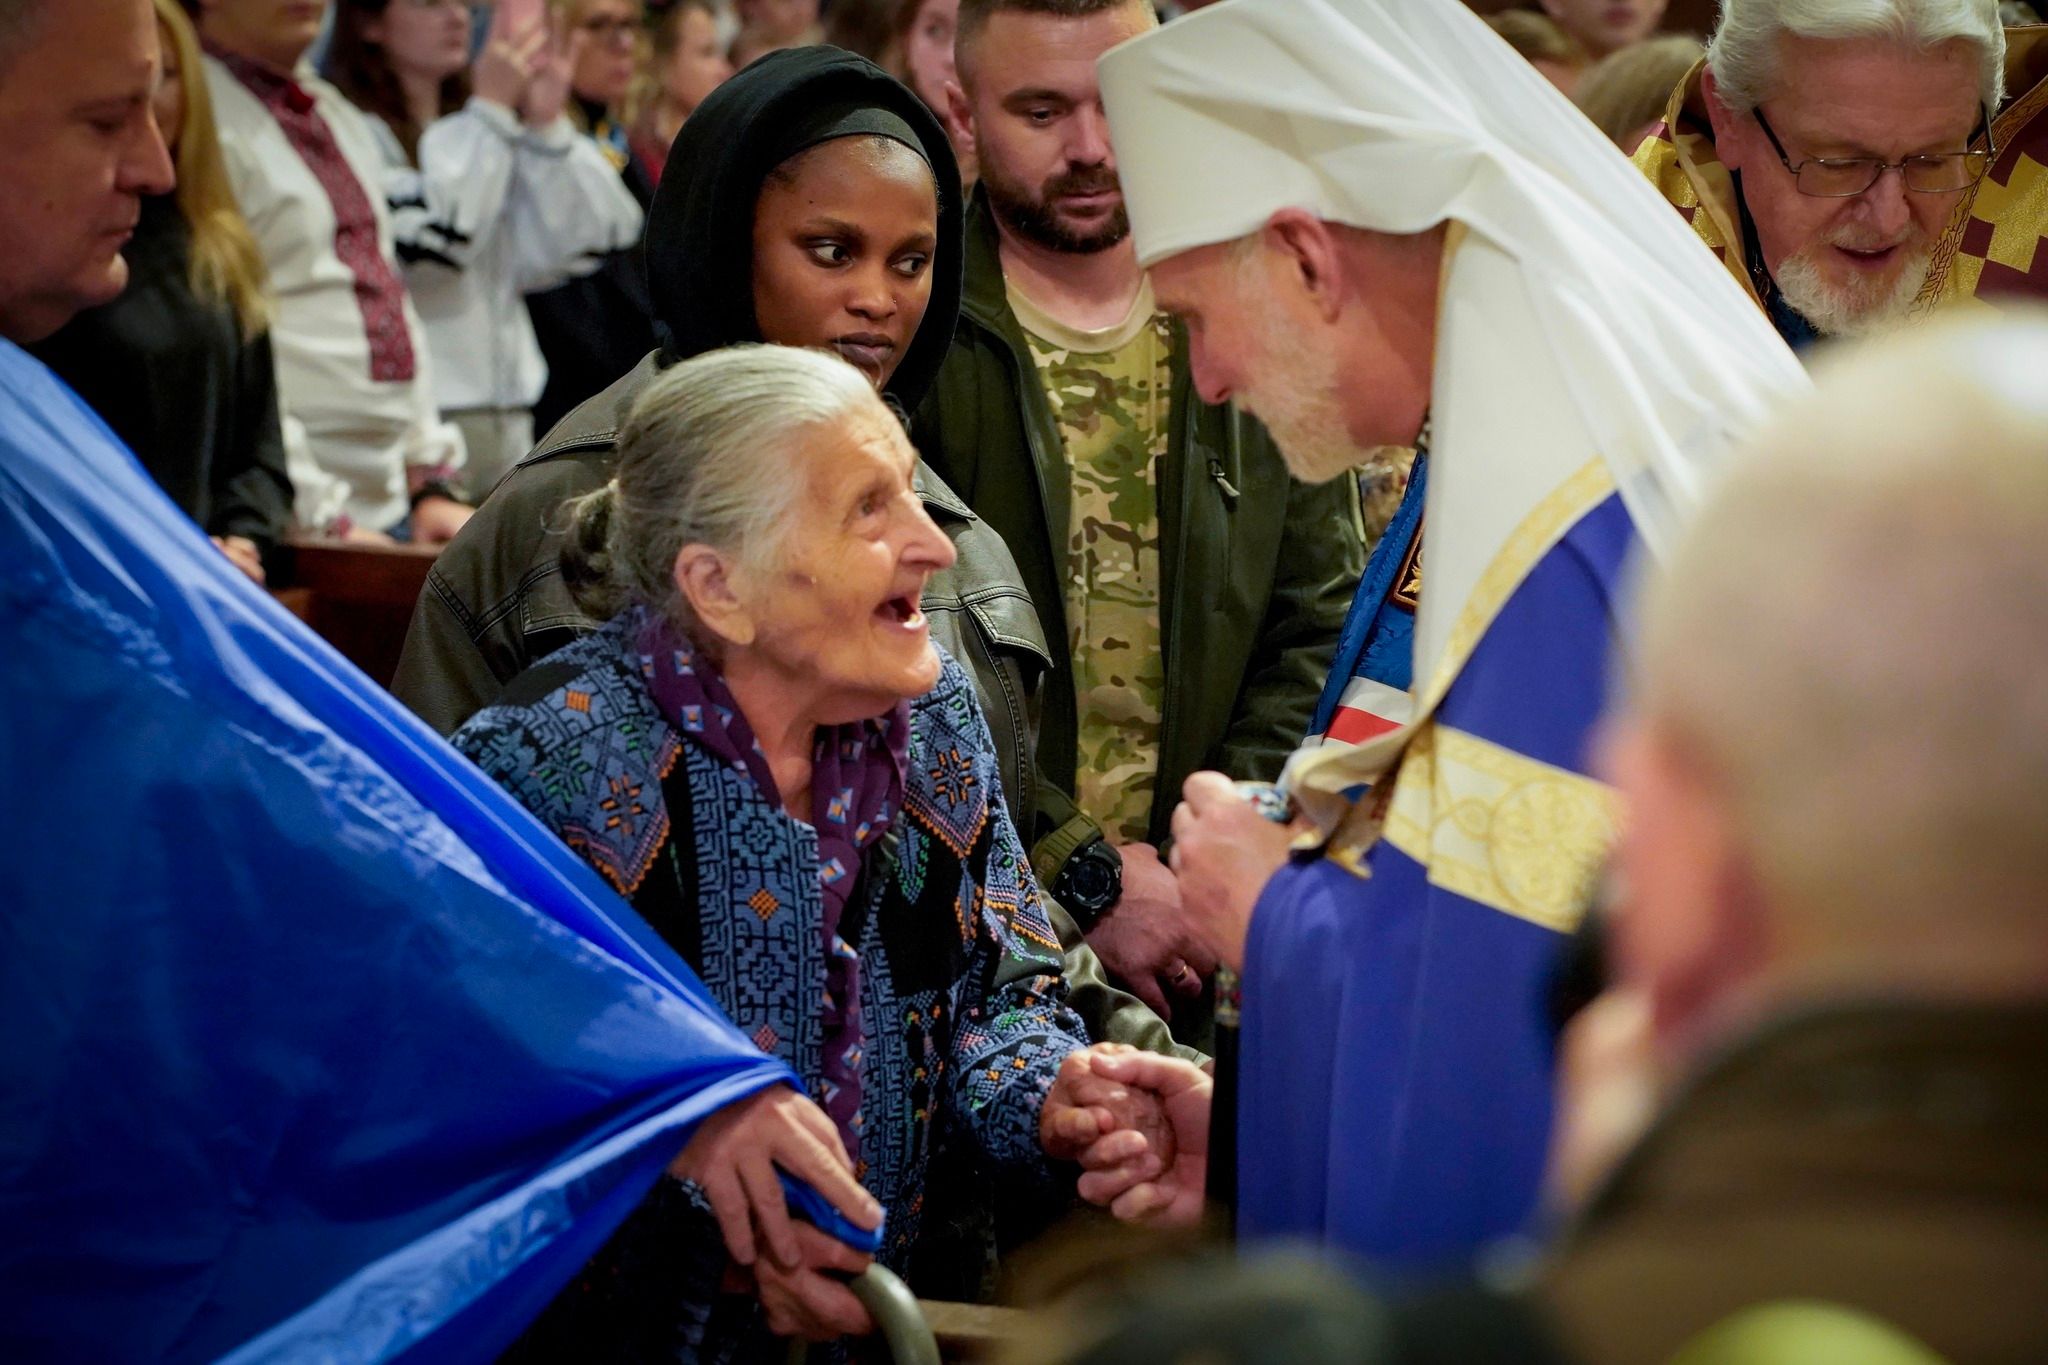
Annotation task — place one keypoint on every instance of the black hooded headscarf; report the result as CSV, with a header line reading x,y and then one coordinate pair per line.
x,y
700,232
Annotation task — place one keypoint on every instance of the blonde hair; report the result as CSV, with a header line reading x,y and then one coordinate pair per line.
x,y
1537,37
661,35
226,264
1631,87
1852,638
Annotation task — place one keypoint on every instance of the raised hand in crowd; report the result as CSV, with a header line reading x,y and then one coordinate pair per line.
x,y
1144,939
514,51
547,95
1224,852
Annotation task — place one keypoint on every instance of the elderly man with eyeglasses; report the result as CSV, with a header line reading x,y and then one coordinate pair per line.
x,y
1854,163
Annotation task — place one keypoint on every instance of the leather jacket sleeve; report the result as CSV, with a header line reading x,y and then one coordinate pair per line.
x,y
443,676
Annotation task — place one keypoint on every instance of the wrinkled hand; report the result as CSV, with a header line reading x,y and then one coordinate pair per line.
x,y
1143,940
1182,1092
243,554
733,1157
1224,852
436,519
547,96
811,1300
1103,1124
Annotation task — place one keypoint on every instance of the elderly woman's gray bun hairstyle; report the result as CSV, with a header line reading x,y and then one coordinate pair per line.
x,y
705,458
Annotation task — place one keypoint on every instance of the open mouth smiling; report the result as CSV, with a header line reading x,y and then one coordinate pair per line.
x,y
902,612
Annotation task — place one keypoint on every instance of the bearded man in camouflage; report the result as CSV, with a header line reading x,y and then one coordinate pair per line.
x,y
1198,590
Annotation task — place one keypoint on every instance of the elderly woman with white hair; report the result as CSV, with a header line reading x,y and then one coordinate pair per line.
x,y
763,751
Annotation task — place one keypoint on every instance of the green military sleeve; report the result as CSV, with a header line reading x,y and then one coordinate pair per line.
x,y
1322,555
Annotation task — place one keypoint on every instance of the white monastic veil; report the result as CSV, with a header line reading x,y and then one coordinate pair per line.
x,y
1581,319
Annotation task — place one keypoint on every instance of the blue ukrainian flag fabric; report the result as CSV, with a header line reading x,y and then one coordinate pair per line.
x,y
318,1047
1396,1087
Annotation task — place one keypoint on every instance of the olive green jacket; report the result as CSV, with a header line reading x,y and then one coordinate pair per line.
x,y
1886,1157
1258,570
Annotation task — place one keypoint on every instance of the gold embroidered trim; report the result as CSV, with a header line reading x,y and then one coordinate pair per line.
x,y
1500,828
1546,523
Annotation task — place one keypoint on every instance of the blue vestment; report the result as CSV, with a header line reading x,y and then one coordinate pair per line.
x,y
318,1045
1395,1092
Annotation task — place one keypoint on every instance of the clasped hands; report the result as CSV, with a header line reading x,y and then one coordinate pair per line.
x,y
1136,1124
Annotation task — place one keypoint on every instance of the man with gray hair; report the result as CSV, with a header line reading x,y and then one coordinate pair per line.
x,y
1832,884
1854,162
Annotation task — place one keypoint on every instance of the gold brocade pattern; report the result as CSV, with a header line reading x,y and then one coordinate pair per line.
x,y
1499,828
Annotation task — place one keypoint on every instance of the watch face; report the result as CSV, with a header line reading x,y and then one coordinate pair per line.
x,y
1091,881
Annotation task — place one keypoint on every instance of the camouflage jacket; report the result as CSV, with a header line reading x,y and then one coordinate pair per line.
x,y
1257,570
1992,248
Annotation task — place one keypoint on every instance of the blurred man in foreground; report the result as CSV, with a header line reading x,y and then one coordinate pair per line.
x,y
1834,876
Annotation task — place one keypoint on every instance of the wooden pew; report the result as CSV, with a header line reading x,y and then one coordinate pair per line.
x,y
359,598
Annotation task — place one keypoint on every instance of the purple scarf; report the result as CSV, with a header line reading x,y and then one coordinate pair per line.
x,y
856,787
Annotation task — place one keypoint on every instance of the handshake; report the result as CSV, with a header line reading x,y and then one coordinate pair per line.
x,y
1136,1123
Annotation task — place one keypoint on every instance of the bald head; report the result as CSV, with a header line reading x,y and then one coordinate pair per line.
x,y
1845,664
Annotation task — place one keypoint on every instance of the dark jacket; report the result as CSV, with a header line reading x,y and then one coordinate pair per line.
x,y
1258,570
172,373
495,600
1891,1159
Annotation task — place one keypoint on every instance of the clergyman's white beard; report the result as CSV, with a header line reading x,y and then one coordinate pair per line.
x,y
1850,311
1297,397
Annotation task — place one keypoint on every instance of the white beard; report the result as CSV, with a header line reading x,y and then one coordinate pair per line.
x,y
1850,311
1297,398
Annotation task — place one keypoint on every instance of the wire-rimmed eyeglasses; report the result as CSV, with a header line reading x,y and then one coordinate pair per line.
x,y
1843,177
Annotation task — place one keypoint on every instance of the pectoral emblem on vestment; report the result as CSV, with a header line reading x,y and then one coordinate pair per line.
x,y
1407,589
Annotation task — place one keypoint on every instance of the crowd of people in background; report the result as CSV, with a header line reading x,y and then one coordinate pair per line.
x,y
473,267
730,355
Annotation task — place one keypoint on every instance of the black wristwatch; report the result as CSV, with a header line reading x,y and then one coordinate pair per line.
x,y
1090,882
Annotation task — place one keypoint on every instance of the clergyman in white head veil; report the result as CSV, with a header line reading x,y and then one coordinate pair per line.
x,y
1385,229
